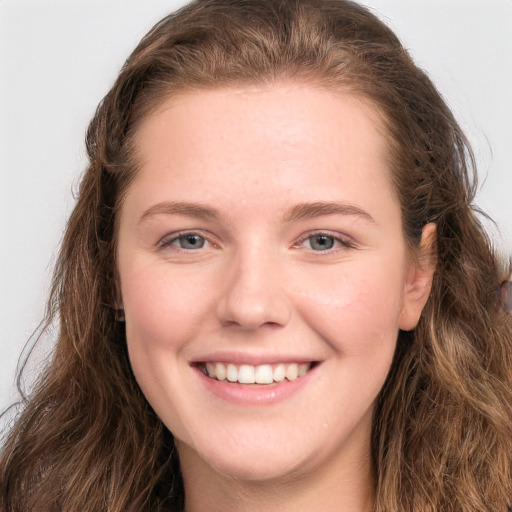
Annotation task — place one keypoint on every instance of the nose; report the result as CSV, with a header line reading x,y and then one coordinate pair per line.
x,y
254,294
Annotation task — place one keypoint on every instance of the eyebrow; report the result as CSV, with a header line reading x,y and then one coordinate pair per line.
x,y
319,208
196,210
297,212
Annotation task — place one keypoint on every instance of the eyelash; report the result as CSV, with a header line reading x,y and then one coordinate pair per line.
x,y
343,242
170,240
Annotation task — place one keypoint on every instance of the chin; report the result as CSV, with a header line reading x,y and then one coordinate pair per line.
x,y
248,457
260,467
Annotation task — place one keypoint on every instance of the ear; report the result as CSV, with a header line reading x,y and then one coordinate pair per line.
x,y
418,279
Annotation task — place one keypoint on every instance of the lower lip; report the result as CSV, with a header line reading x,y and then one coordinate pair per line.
x,y
254,394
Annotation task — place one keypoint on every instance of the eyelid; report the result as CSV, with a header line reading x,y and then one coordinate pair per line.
x,y
345,241
167,240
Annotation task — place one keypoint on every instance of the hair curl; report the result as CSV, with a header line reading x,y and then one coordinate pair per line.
x,y
88,440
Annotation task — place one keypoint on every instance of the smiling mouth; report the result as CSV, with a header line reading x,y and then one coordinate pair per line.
x,y
259,374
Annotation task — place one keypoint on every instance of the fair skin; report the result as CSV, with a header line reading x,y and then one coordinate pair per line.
x,y
263,231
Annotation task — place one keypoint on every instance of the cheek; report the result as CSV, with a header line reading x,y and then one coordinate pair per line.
x,y
356,308
162,309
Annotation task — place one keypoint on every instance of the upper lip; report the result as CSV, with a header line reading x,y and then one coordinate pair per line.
x,y
239,358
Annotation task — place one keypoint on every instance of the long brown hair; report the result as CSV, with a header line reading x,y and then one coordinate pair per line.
x,y
442,435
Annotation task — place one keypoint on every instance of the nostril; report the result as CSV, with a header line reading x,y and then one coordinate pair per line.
x,y
253,311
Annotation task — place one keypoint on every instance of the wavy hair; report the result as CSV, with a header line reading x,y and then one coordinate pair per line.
x,y
442,436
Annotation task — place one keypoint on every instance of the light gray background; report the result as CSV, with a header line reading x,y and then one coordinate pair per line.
x,y
58,59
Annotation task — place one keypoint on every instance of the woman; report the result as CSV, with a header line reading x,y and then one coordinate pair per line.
x,y
273,291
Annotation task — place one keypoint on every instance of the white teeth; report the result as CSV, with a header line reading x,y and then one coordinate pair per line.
x,y
210,369
279,373
232,373
261,374
292,372
246,374
221,371
303,369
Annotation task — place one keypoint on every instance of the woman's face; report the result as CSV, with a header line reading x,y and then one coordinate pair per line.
x,y
264,277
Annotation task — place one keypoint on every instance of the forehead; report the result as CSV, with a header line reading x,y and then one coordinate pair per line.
x,y
302,139
283,104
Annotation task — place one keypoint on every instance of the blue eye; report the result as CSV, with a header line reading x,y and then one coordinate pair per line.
x,y
189,241
321,242
325,242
